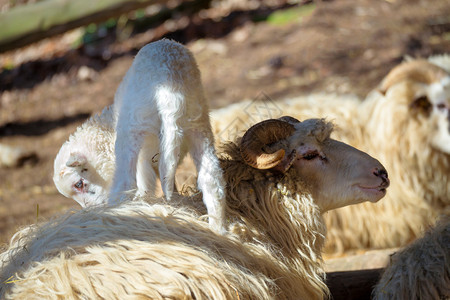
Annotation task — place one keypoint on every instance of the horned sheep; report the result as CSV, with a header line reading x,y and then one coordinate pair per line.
x,y
405,123
280,178
159,113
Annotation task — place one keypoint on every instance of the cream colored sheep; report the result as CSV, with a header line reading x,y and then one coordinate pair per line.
x,y
159,113
405,124
280,179
442,61
421,270
134,251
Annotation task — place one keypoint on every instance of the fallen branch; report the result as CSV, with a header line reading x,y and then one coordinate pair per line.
x,y
26,24
372,259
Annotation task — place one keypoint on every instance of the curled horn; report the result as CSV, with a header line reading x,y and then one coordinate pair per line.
x,y
261,134
417,70
289,119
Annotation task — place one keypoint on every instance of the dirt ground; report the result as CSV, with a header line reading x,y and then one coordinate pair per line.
x,y
344,46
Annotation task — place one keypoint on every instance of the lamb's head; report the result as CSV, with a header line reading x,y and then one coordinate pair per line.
x,y
336,173
76,177
427,90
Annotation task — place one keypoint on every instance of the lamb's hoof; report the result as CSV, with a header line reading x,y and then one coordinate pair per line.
x,y
217,227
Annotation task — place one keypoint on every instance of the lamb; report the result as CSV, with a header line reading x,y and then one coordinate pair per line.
x,y
159,112
421,270
280,177
405,124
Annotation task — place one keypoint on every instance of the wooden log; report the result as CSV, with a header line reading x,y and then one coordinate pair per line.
x,y
372,259
26,24
353,285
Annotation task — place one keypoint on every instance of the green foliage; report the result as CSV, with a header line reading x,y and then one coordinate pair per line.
x,y
8,65
94,32
290,15
139,14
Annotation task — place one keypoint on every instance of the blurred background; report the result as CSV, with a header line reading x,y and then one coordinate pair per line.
x,y
62,60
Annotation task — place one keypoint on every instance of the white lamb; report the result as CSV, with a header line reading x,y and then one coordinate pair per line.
x,y
159,113
406,124
280,180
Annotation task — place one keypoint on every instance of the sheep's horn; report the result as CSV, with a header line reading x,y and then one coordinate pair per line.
x,y
260,134
289,119
417,70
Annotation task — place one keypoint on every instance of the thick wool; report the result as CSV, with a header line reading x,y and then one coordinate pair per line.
x,y
385,126
280,212
135,250
272,250
442,61
419,174
421,270
155,252
158,251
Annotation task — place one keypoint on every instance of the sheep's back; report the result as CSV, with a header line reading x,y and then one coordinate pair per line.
x,y
154,251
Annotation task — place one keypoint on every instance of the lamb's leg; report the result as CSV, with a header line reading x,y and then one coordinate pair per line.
x,y
145,174
210,176
127,147
171,109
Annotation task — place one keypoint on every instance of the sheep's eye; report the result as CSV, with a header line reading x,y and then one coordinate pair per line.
x,y
441,106
311,155
79,185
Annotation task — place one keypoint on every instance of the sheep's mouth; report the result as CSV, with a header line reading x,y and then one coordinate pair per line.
x,y
374,193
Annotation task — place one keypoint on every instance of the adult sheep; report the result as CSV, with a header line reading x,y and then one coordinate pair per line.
x,y
405,123
421,270
280,179
159,112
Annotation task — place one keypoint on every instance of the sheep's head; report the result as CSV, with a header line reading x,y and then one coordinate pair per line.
x,y
428,93
76,178
336,173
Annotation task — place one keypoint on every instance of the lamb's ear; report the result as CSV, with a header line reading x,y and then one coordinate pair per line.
x,y
76,159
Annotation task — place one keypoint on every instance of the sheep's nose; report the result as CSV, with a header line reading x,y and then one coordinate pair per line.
x,y
383,174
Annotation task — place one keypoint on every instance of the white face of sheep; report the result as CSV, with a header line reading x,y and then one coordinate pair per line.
x,y
439,97
77,179
336,173
429,91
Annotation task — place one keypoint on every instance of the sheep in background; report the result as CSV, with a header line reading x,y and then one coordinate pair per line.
x,y
405,124
13,156
421,270
442,61
280,179
159,111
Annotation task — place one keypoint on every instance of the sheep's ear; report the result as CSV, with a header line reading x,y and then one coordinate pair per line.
x,y
421,103
381,90
76,159
286,162
322,130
